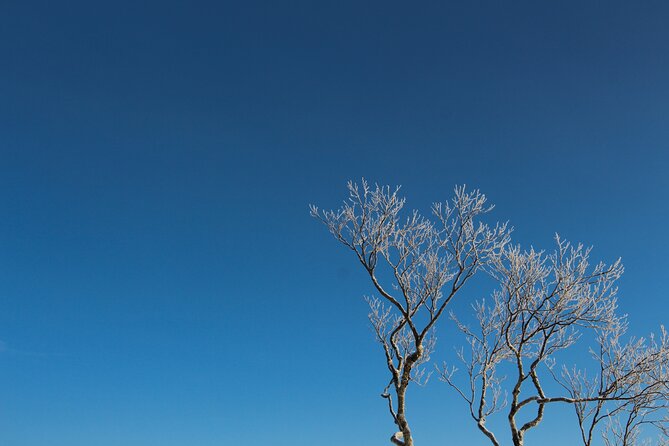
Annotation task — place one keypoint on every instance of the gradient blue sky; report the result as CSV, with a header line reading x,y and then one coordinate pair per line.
x,y
161,282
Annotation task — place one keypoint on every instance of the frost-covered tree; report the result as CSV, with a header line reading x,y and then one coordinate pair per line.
x,y
628,391
416,265
543,306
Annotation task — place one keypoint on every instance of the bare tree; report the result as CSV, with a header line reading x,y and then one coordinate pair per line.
x,y
417,266
628,392
543,304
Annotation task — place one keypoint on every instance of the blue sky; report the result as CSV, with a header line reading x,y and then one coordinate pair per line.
x,y
161,281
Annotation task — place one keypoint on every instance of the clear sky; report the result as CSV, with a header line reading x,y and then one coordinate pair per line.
x,y
161,282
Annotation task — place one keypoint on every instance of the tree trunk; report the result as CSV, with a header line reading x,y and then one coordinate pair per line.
x,y
401,389
516,434
402,423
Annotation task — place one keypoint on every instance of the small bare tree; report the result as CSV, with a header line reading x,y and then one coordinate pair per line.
x,y
628,392
417,266
542,306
